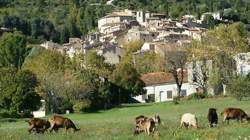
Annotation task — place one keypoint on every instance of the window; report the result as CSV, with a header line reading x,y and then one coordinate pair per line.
x,y
169,94
183,92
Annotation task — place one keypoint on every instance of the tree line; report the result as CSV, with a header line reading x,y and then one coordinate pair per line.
x,y
31,73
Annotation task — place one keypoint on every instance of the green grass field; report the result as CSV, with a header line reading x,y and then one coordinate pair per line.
x,y
117,123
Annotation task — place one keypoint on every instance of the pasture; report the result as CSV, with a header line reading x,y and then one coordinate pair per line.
x,y
117,123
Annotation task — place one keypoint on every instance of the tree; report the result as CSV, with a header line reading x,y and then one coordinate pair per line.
x,y
201,71
17,90
239,88
175,64
49,66
149,62
13,50
126,77
209,21
220,45
97,64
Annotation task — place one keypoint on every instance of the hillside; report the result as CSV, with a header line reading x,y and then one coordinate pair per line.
x,y
118,123
56,20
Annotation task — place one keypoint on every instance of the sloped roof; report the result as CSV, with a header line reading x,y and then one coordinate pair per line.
x,y
158,78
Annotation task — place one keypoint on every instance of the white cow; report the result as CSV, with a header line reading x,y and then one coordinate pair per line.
x,y
189,120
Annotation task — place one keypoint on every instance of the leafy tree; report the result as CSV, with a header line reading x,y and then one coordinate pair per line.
x,y
126,77
149,62
13,50
220,45
16,23
97,64
17,90
209,21
239,87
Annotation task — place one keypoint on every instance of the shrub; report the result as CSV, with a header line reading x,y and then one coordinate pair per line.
x,y
176,100
197,96
82,106
66,105
239,88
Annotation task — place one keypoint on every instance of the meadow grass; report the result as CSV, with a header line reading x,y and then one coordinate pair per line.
x,y
117,123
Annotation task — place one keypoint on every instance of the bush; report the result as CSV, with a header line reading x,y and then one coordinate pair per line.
x,y
239,88
66,105
176,100
82,106
197,96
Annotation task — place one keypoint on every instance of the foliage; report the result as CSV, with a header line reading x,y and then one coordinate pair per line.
x,y
51,20
17,90
82,106
209,21
13,50
239,88
220,45
133,46
176,100
96,63
197,96
126,77
62,79
149,62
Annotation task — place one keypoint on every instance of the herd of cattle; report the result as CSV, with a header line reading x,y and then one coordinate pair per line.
x,y
142,123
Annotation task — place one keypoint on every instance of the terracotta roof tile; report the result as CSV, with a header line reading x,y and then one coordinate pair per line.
x,y
160,78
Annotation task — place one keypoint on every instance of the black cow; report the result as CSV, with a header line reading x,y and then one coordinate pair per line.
x,y
212,117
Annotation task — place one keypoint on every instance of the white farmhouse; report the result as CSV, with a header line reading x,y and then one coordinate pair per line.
x,y
161,86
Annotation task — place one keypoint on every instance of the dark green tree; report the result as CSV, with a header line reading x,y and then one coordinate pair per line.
x,y
13,50
17,90
128,80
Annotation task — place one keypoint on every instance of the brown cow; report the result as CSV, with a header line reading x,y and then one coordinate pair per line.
x,y
59,121
38,125
234,114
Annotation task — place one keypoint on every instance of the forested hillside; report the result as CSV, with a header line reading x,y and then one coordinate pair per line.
x,y
58,20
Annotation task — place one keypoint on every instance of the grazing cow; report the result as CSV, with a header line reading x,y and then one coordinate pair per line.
x,y
234,114
189,120
147,125
212,117
59,121
38,125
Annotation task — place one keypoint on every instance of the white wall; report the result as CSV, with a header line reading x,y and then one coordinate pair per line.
x,y
243,63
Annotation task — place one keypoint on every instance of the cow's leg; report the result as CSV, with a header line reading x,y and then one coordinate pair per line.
x,y
66,130
181,125
52,127
31,128
224,119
